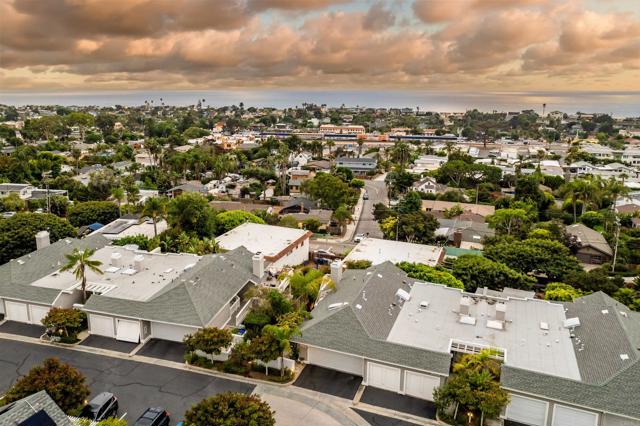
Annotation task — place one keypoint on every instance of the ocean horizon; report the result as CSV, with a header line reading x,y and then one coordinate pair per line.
x,y
618,104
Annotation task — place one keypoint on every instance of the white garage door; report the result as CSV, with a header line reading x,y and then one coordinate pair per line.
x,y
336,361
526,410
383,376
174,333
563,416
101,325
17,311
420,385
37,313
128,331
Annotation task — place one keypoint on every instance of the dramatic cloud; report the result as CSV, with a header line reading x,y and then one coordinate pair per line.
x,y
461,44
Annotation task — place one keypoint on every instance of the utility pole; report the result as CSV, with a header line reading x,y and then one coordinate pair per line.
x,y
615,250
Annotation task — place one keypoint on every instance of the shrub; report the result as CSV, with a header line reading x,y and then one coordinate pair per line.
x,y
358,264
230,409
82,214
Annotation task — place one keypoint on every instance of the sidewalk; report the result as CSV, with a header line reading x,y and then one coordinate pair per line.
x,y
353,225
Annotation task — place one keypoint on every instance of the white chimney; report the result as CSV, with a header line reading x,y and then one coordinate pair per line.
x,y
258,265
42,239
116,260
501,311
138,260
336,271
465,303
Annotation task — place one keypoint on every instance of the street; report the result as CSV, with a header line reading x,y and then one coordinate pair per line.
x,y
377,191
137,385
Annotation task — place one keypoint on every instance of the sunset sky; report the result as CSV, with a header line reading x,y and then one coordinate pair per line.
x,y
509,45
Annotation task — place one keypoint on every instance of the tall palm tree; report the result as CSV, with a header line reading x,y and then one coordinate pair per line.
x,y
155,208
118,195
79,261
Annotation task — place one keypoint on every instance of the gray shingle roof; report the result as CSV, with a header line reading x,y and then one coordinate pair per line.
x,y
602,337
19,273
192,299
609,383
364,331
21,410
588,237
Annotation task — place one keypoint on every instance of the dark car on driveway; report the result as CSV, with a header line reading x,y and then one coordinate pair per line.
x,y
102,406
154,416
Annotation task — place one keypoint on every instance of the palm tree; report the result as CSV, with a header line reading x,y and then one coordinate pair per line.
x,y
79,261
76,154
360,144
330,144
118,194
156,208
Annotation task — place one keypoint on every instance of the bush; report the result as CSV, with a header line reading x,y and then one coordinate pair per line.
x,y
230,409
478,272
312,225
358,264
65,322
430,274
228,220
210,340
561,292
82,214
357,183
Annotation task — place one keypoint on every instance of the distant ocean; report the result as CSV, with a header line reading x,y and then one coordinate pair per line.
x,y
619,104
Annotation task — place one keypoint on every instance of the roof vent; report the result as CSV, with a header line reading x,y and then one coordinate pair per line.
x,y
424,304
624,357
571,322
605,311
403,295
334,306
465,319
496,325
544,326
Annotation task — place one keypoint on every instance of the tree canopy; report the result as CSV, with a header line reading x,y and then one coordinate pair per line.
x,y
230,409
82,214
18,233
478,272
329,190
228,220
210,340
430,274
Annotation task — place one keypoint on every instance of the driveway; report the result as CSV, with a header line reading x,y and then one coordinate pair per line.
x,y
163,349
328,381
22,329
102,342
377,192
397,402
137,385
379,420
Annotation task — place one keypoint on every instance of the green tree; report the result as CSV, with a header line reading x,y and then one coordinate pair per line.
x,y
118,195
64,384
430,274
342,215
266,348
13,203
156,209
81,214
329,190
288,221
288,326
535,256
473,388
230,409
226,221
561,292
191,212
410,203
18,233
307,284
478,272
210,340
79,261
65,321
506,221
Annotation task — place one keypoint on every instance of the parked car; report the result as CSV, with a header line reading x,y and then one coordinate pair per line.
x,y
358,238
154,416
102,406
365,196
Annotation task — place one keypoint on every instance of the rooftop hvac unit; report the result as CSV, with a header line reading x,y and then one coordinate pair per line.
x,y
116,260
465,303
138,261
403,295
572,322
465,319
501,311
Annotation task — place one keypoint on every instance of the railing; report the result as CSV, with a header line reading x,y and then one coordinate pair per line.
x,y
242,313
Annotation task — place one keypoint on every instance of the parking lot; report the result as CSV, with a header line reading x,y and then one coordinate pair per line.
x,y
137,385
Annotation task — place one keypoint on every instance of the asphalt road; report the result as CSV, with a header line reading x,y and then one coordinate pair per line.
x,y
377,191
137,385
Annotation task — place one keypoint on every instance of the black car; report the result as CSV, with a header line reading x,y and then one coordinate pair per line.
x,y
154,416
103,406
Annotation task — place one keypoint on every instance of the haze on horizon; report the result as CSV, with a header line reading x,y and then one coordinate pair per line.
x,y
460,45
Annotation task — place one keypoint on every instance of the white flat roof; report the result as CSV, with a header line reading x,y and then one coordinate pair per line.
x,y
525,343
266,239
120,228
379,251
124,282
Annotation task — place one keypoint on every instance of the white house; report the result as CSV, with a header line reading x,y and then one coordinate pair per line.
x,y
278,245
378,251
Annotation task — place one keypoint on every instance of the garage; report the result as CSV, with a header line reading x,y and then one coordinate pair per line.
x,y
383,377
335,361
572,416
37,313
420,385
527,411
101,325
175,333
17,311
127,330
